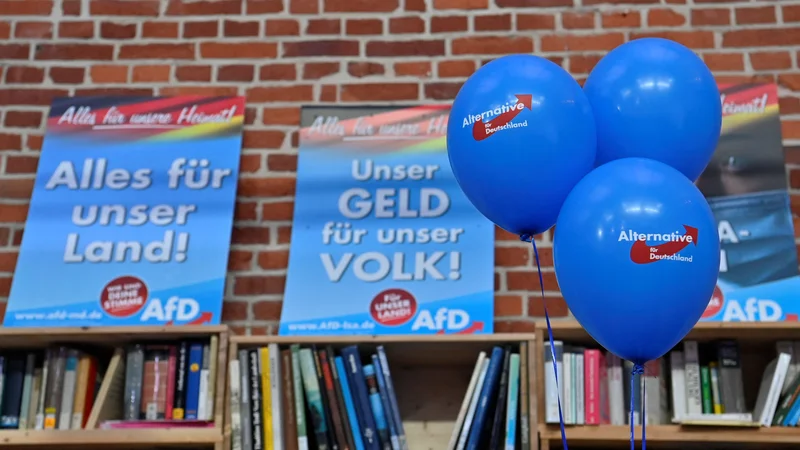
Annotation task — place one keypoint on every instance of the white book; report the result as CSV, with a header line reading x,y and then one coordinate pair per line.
x,y
27,389
235,404
473,405
276,396
39,418
789,348
678,385
580,411
770,389
212,378
569,396
202,401
691,362
616,390
68,391
462,413
512,406
553,390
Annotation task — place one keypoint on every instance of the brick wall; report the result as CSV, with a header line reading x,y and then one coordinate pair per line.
x,y
285,53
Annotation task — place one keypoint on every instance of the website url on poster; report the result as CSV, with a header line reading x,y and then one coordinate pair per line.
x,y
332,325
59,315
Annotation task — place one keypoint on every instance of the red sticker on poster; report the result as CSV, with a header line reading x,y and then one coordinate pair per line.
x,y
124,296
393,307
715,304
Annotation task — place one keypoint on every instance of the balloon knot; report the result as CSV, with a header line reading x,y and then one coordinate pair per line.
x,y
638,369
525,237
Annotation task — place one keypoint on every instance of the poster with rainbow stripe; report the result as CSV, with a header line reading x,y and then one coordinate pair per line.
x,y
383,240
131,214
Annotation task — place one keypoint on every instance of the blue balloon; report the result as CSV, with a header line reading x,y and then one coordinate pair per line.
x,y
519,137
654,98
636,254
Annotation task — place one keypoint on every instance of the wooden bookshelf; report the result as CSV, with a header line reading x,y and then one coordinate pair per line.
x,y
430,374
757,345
108,402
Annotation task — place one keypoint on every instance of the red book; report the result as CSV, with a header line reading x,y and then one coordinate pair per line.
x,y
605,405
171,369
591,386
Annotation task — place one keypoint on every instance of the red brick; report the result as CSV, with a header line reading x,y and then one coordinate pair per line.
x,y
324,26
528,280
16,188
202,29
494,22
109,30
193,73
665,18
282,27
621,19
24,75
303,6
315,71
235,28
211,91
160,30
460,4
620,2
156,51
21,164
274,260
515,326
448,24
406,25
761,37
556,307
13,213
577,20
758,15
5,30
258,285
355,6
281,163
491,45
507,305
71,7
267,310
151,74
125,8
233,311
365,69
263,6
791,13
296,93
691,39
25,8
441,91
263,139
78,30
582,63
72,52
281,116
536,22
109,74
35,30
272,72
533,3
203,7
413,69
266,187
67,75
714,16
578,43
456,69
23,119
724,62
406,48
116,91
236,72
238,50
363,26
14,51
320,48
771,61
379,92
10,141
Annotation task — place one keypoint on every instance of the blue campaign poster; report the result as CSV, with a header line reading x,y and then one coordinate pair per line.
x,y
746,187
131,214
383,240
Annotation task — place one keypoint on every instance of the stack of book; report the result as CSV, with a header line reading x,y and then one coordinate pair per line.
x,y
694,384
301,398
52,389
169,385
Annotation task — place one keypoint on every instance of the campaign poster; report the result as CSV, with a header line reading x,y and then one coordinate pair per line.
x,y
131,214
383,240
745,184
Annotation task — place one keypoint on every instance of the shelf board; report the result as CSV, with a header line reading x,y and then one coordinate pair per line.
x,y
129,439
245,341
609,434
37,337
769,331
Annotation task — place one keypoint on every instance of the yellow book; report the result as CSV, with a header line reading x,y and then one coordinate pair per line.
x,y
715,388
266,397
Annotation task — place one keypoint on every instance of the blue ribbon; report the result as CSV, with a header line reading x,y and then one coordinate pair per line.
x,y
529,238
638,370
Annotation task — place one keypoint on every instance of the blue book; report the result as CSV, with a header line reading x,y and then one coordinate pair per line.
x,y
347,396
793,415
193,380
355,376
485,398
377,407
387,406
390,394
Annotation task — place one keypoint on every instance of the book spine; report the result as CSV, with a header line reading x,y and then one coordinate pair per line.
x,y
154,383
314,398
134,369
377,407
179,406
487,393
288,403
68,390
172,370
333,440
266,397
551,388
347,395
337,391
93,383
27,388
244,385
212,378
359,388
333,405
605,400
676,366
473,406
205,367
299,399
235,404
55,384
496,438
81,386
44,389
513,402
36,392
524,403
692,375
193,380
591,380
276,396
11,392
257,431
390,392
387,407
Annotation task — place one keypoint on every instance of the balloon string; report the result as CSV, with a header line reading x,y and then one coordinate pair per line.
x,y
637,371
529,238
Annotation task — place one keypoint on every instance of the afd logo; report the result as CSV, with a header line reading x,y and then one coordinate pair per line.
x,y
174,309
752,310
443,319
